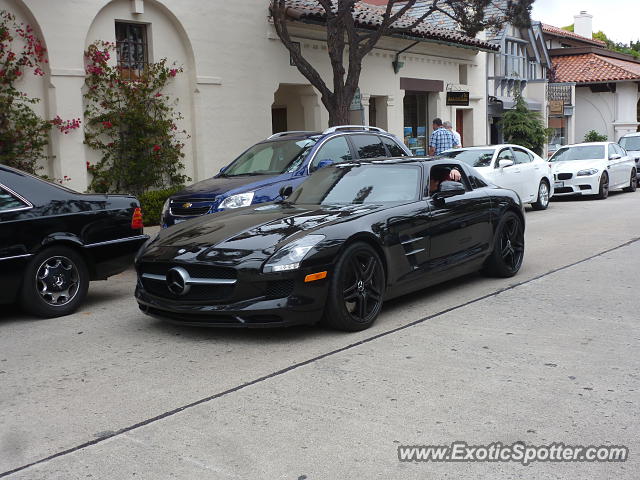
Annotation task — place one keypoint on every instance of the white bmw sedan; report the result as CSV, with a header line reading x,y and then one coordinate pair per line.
x,y
513,167
592,169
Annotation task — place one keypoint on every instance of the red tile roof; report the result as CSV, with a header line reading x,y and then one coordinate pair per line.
x,y
370,16
567,34
593,68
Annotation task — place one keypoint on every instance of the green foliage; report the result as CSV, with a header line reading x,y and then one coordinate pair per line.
x,y
524,127
23,134
593,136
132,124
152,202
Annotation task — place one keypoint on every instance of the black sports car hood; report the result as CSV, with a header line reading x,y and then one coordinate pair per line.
x,y
262,228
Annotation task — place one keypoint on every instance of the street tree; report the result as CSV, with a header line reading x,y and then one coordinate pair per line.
x,y
349,41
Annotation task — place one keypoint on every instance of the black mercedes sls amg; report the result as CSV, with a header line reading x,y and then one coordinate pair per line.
x,y
353,235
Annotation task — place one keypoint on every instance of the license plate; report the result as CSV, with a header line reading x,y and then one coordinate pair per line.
x,y
558,184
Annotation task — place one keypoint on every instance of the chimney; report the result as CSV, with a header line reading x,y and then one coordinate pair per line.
x,y
583,24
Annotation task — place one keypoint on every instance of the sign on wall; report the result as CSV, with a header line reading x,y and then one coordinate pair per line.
x,y
556,107
457,99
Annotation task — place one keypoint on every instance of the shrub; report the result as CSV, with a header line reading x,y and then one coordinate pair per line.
x,y
593,136
524,127
23,134
152,201
132,124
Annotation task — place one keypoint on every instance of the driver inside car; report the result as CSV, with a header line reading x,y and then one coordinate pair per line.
x,y
442,174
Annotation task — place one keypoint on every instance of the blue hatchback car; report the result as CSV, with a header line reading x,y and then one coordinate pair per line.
x,y
283,159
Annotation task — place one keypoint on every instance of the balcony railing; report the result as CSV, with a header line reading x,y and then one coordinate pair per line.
x,y
560,92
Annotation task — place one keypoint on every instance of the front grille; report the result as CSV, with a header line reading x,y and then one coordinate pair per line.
x,y
565,176
180,208
563,190
195,270
279,289
197,293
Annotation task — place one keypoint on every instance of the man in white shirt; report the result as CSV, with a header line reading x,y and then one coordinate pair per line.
x,y
457,136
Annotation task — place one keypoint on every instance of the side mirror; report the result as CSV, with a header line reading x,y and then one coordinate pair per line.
x,y
504,163
615,156
449,189
325,162
286,191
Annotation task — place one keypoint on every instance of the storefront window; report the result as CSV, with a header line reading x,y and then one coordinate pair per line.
x,y
558,138
416,132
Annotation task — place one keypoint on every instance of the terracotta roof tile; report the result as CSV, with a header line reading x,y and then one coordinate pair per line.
x,y
370,16
567,34
592,68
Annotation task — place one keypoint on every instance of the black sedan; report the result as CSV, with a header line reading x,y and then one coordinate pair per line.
x,y
53,241
352,236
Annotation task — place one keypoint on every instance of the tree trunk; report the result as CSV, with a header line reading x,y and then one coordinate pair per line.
x,y
338,111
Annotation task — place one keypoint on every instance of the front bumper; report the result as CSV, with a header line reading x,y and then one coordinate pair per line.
x,y
584,185
254,303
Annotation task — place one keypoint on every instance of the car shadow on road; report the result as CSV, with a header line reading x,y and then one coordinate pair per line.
x,y
584,198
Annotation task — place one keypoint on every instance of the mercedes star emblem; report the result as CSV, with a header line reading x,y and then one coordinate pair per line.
x,y
178,281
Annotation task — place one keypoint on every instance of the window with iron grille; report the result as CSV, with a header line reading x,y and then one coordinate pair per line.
x,y
132,49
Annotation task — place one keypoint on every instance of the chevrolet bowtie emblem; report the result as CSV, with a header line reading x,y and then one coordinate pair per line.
x,y
187,205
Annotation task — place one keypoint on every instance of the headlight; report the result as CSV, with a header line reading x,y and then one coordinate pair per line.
x,y
290,256
237,201
588,171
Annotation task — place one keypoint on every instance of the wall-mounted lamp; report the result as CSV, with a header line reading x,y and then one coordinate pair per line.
x,y
397,64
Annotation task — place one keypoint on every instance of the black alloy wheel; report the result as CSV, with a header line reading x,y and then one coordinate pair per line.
x,y
55,282
357,289
508,251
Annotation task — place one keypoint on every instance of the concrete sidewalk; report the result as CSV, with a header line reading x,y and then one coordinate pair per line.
x,y
552,360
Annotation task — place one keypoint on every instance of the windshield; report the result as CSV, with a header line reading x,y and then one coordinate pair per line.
x,y
630,143
475,158
586,152
358,184
271,158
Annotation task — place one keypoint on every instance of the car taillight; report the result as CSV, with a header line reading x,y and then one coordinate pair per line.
x,y
136,219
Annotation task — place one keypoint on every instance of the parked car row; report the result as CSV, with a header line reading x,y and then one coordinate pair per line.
x,y
371,224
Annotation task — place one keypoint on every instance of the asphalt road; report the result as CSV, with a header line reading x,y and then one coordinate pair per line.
x,y
550,355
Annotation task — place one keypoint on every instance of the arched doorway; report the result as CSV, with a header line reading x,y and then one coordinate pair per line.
x,y
149,35
295,107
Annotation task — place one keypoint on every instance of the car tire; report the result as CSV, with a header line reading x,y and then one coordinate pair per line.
x,y
543,196
55,283
356,290
633,183
603,190
508,247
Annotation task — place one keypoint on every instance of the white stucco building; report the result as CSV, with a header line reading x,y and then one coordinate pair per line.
x,y
600,88
238,85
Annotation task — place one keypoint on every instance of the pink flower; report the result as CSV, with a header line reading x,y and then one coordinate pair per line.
x,y
173,72
107,124
156,148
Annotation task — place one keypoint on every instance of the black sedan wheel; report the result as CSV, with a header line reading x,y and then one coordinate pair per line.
x,y
508,250
603,192
357,289
55,283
